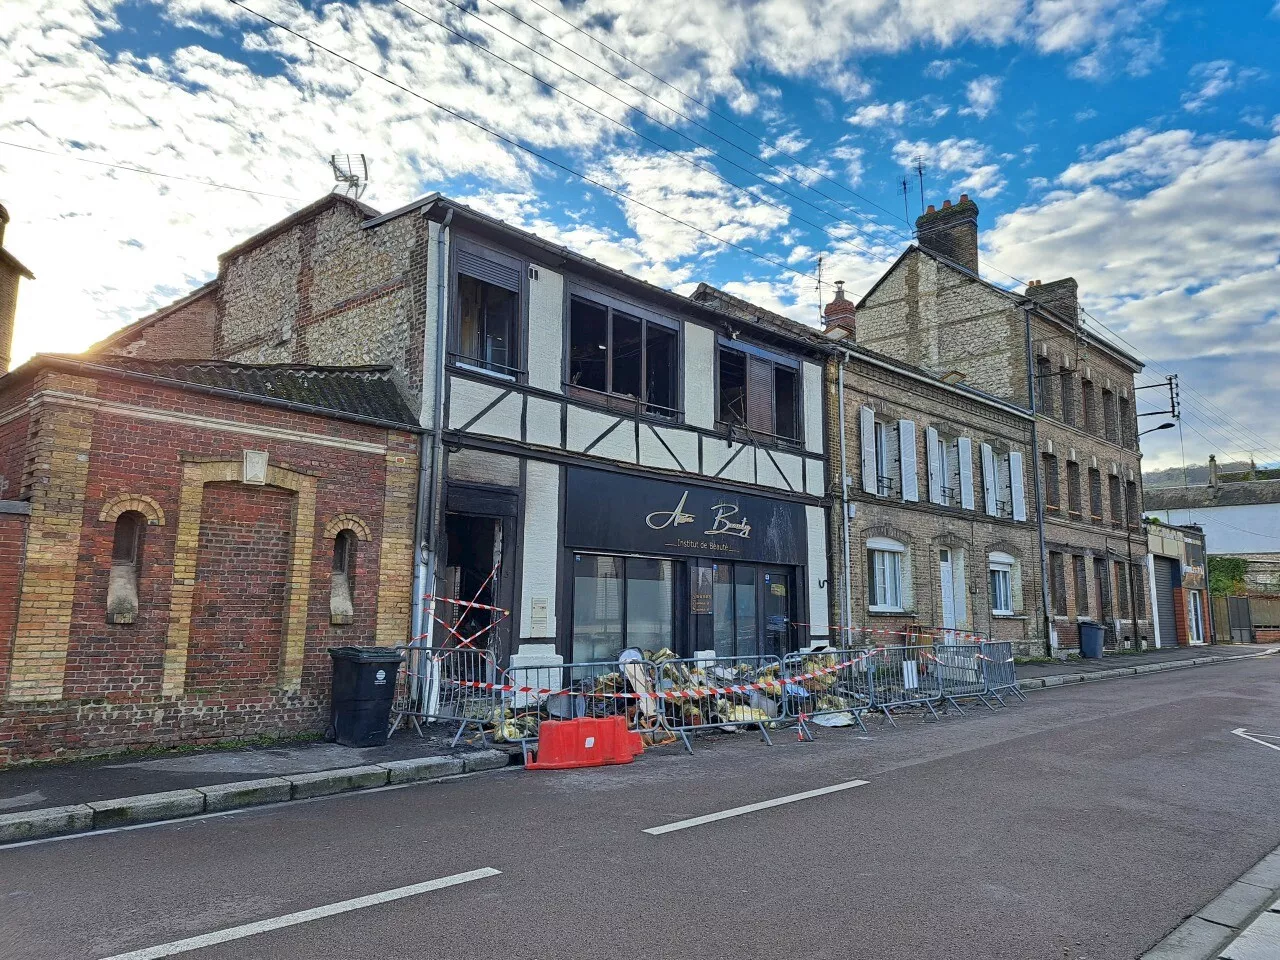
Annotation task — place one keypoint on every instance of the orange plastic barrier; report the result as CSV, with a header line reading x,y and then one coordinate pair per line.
x,y
585,742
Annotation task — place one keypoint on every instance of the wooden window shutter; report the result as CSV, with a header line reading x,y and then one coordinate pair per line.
x,y
907,455
760,395
867,432
964,450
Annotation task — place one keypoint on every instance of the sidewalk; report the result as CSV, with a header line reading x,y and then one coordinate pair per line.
x,y
87,781
1084,669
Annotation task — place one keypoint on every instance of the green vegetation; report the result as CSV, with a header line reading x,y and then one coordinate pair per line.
x,y
1226,576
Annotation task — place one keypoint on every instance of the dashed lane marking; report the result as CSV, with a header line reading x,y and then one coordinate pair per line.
x,y
752,808
302,916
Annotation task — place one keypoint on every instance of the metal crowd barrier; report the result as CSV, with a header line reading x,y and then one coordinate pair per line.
x,y
826,687
610,688
446,685
960,673
901,678
998,670
703,693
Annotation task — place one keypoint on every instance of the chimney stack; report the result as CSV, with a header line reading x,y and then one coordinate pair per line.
x,y
838,315
1214,483
10,272
951,232
1060,296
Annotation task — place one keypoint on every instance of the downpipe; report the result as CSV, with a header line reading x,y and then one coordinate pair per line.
x,y
846,604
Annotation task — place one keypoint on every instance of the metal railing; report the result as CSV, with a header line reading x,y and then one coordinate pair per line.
x,y
901,678
445,685
999,672
960,674
827,687
706,693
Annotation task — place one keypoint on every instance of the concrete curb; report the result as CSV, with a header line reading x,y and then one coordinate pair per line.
x,y
221,797
1210,931
1039,683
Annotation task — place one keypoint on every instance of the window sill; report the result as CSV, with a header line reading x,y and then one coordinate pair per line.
x,y
485,371
786,443
997,615
616,403
889,611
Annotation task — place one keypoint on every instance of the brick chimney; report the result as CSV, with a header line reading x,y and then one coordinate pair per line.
x,y
838,315
1060,296
1214,482
951,232
10,272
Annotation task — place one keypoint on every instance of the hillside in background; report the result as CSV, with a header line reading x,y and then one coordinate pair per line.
x,y
1197,474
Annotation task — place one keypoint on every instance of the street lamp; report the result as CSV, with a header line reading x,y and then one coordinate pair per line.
x,y
1167,425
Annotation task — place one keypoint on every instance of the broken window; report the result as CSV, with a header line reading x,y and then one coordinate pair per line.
x,y
488,321
760,391
626,361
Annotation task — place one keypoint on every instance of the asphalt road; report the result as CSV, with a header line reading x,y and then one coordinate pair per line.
x,y
1080,826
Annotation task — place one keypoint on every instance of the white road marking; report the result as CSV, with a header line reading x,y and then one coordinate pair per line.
x,y
302,916
752,808
1239,732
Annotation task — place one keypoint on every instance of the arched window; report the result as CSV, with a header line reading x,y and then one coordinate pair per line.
x,y
342,586
126,556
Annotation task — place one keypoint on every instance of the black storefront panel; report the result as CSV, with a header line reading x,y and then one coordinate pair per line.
x,y
622,513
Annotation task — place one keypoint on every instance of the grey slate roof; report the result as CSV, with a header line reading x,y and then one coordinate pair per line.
x,y
1226,495
366,392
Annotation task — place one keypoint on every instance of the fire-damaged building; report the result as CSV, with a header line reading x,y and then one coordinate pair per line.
x,y
226,488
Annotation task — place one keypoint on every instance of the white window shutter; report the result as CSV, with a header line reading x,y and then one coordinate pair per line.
x,y
989,479
868,431
1017,487
964,449
907,452
931,461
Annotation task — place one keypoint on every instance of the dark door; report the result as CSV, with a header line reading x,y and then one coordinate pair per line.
x,y
777,600
1240,619
1165,572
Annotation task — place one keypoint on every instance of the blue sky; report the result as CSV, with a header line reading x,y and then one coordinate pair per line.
x,y
1133,144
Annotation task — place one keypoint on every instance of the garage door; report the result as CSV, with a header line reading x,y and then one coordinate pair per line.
x,y
1165,571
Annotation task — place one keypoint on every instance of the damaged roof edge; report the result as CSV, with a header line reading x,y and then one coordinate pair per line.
x,y
154,317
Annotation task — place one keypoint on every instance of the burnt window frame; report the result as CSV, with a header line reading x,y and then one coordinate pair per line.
x,y
608,398
516,371
776,360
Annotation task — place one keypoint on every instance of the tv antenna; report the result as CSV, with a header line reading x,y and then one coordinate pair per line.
x,y
904,188
350,173
819,288
917,164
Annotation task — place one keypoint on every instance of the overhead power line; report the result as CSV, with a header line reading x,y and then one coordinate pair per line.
x,y
149,173
520,146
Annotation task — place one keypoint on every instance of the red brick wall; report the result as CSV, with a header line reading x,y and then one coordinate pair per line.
x,y
112,682
237,620
186,333
1180,618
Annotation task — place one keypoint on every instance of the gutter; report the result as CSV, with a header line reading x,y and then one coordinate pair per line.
x,y
846,600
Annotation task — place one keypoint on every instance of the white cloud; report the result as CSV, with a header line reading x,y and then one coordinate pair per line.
x,y
940,69
1214,78
1172,247
968,161
982,94
1086,114
877,114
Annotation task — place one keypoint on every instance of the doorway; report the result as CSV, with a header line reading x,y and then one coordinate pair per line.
x,y
777,611
947,585
742,609
478,567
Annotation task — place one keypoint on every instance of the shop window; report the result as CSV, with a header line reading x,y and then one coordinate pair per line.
x,y
759,391
621,602
1000,576
734,605
626,361
487,328
126,555
1057,584
885,562
342,579
1082,585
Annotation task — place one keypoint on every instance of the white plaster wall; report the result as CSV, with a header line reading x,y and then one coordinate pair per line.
x,y
1252,528
467,398
812,407
540,539
815,478
715,453
654,454
546,329
542,422
430,356
683,443
585,426
819,608
699,376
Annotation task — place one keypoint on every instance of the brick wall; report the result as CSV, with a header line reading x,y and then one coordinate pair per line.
x,y
78,683
926,528
185,332
8,309
13,543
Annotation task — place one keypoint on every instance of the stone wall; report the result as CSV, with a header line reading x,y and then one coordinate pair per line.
x,y
196,664
925,527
